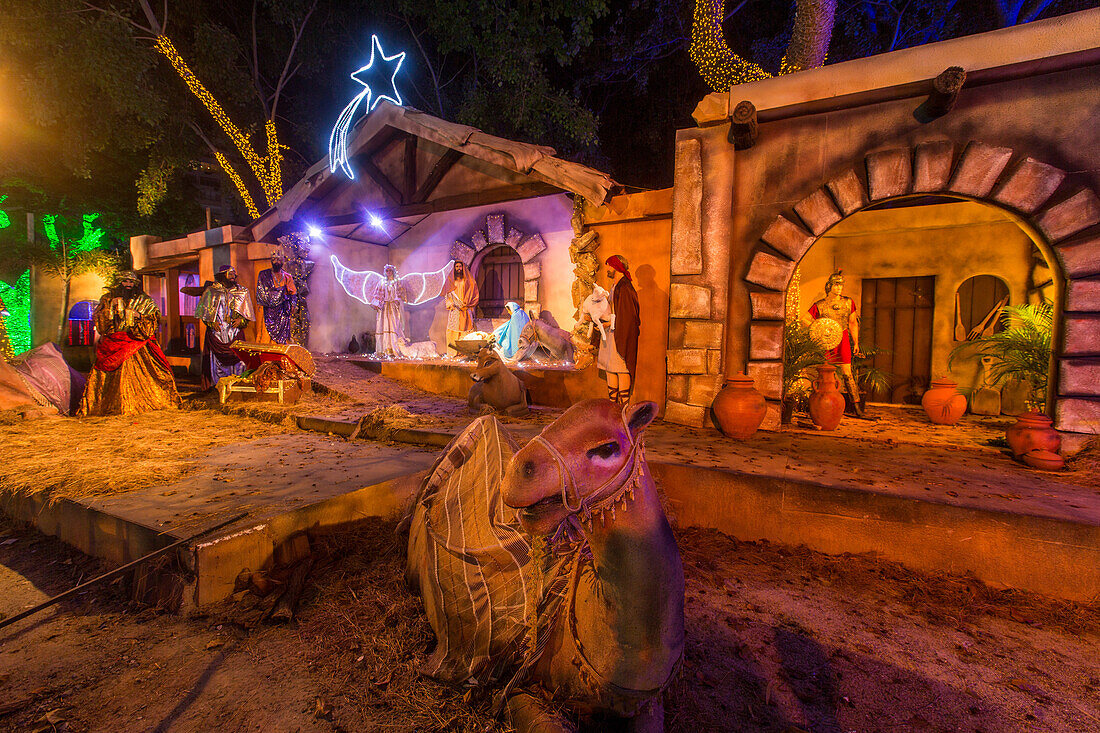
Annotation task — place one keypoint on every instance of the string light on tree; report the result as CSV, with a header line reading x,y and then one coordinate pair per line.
x,y
338,140
721,68
17,303
266,169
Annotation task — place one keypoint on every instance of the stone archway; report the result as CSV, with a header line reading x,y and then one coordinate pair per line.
x,y
983,173
528,247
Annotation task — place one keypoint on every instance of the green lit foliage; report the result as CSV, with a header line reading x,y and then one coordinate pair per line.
x,y
17,302
1020,351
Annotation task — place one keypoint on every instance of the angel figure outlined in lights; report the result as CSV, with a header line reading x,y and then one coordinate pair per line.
x,y
389,293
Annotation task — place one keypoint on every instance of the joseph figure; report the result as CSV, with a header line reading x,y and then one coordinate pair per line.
x,y
618,356
460,304
131,374
226,309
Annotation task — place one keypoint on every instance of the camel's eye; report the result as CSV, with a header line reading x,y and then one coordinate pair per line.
x,y
604,450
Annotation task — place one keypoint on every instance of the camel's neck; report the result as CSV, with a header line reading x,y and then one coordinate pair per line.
x,y
631,622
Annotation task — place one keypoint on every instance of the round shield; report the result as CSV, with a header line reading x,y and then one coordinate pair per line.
x,y
826,333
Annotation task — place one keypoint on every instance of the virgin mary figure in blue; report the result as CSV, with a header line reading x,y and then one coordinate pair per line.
x,y
507,333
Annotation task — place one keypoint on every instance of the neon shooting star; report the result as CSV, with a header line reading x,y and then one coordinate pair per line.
x,y
338,140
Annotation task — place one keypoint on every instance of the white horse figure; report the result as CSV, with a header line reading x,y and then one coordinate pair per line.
x,y
598,307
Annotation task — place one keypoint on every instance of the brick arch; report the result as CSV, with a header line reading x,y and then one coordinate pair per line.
x,y
1064,222
527,246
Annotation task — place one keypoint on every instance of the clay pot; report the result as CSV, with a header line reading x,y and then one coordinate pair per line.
x,y
1032,431
826,403
943,403
739,408
1044,460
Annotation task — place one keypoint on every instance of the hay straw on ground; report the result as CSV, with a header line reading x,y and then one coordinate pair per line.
x,y
382,422
67,458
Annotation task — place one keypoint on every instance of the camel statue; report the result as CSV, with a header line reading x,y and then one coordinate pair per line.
x,y
550,572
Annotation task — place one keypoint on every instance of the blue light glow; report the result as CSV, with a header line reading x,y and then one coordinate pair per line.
x,y
314,231
376,222
338,140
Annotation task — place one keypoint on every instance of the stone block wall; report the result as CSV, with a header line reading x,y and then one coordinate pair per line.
x,y
699,289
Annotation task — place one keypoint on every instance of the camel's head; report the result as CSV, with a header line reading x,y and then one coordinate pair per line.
x,y
594,439
489,365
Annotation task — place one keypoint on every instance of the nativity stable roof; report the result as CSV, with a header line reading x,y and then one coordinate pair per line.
x,y
534,165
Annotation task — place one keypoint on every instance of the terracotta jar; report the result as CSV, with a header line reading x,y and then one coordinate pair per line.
x,y
1032,431
943,403
739,408
826,402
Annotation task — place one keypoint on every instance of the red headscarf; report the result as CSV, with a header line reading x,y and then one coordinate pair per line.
x,y
616,263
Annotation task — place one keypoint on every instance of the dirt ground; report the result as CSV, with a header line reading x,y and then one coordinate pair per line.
x,y
778,639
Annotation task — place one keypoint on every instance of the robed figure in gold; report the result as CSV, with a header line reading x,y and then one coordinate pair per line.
x,y
131,373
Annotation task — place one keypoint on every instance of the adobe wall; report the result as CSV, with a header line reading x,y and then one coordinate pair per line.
x,y
1030,145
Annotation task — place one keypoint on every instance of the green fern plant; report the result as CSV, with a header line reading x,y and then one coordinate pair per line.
x,y
870,378
1020,351
800,353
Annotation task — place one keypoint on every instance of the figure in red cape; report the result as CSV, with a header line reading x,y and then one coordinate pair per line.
x,y
131,373
838,308
618,356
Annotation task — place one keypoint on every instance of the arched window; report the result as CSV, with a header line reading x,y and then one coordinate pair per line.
x,y
978,304
499,280
81,331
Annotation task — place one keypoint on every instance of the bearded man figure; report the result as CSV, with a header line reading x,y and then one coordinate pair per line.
x,y
460,304
131,374
618,355
226,309
278,294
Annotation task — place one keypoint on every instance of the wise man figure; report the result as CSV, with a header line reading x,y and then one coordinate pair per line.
x,y
618,355
131,374
460,304
840,308
278,294
226,309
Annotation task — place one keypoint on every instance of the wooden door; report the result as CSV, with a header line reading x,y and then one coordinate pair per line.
x,y
499,280
896,318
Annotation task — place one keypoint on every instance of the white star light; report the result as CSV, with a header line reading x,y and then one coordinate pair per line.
x,y
338,140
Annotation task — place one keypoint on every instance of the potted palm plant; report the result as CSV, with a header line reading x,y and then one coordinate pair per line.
x,y
800,354
1020,351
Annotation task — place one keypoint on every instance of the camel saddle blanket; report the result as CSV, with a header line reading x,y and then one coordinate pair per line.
x,y
467,554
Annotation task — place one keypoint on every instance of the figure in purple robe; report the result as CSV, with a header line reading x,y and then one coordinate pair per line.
x,y
278,294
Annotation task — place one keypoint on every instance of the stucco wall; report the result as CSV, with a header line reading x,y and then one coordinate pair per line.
x,y
641,231
335,316
427,246
951,242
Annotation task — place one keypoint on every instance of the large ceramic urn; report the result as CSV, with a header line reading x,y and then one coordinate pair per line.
x,y
826,402
739,408
1032,431
943,403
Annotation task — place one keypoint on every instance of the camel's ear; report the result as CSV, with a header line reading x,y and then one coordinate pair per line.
x,y
638,417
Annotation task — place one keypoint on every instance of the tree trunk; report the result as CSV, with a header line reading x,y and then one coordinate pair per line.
x,y
65,283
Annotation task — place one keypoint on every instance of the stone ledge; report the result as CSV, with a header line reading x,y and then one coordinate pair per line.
x,y
1083,296
787,237
703,334
686,361
848,192
768,306
765,340
889,173
768,271
1079,377
1082,335
1029,186
979,168
1081,257
817,211
932,163
1078,415
687,209
684,414
689,301
1077,213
